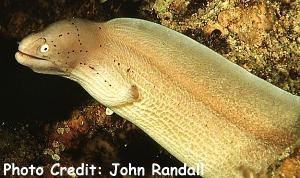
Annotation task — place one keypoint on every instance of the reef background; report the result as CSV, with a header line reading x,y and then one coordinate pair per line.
x,y
45,119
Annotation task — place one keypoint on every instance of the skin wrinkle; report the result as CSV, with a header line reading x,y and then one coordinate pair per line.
x,y
176,114
192,101
169,98
274,138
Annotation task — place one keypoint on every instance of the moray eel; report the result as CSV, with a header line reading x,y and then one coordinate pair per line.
x,y
196,104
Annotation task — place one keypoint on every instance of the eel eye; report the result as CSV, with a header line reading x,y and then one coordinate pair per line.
x,y
44,48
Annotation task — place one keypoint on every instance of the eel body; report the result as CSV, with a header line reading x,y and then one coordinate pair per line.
x,y
199,106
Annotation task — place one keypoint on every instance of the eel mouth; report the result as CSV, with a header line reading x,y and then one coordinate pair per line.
x,y
31,56
30,60
38,64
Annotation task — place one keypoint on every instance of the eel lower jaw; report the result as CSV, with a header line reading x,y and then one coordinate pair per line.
x,y
37,64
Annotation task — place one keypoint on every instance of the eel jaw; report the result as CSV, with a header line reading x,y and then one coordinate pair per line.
x,y
37,64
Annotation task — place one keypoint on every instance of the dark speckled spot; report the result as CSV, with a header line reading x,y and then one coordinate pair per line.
x,y
91,67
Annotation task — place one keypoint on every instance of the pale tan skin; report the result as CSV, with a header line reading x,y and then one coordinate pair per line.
x,y
191,100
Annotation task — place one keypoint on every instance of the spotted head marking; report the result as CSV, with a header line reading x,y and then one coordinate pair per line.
x,y
79,50
57,49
